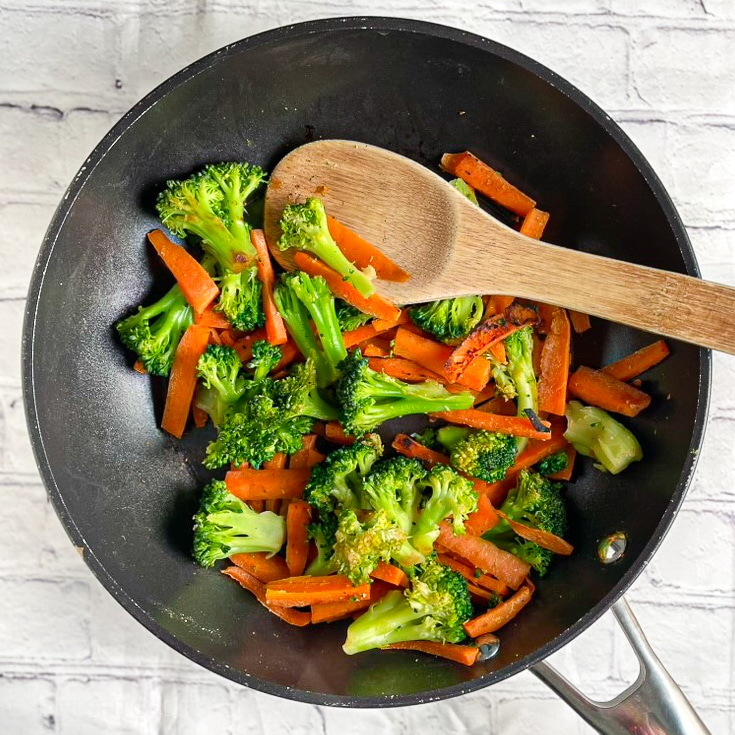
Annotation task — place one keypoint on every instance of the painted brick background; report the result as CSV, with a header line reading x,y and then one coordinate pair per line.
x,y
74,663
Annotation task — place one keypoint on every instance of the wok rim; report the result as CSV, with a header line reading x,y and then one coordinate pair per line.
x,y
282,33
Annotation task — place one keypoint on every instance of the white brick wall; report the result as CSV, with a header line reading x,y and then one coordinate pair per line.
x,y
71,660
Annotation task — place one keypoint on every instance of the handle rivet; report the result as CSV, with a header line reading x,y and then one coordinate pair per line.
x,y
612,547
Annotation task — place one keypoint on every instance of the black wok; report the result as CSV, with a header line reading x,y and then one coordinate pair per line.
x,y
126,492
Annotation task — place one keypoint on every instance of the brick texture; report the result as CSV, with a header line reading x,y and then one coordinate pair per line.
x,y
72,662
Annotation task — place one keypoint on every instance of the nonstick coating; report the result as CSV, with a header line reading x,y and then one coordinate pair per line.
x,y
126,492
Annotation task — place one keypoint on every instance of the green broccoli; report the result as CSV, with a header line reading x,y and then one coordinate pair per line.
x,y
211,206
222,382
305,227
483,454
367,398
434,608
464,188
553,464
427,438
594,433
324,534
224,526
349,317
264,359
154,331
449,320
536,502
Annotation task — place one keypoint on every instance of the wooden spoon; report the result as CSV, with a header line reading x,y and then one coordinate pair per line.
x,y
452,248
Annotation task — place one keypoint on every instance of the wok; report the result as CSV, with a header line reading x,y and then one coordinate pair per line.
x,y
126,492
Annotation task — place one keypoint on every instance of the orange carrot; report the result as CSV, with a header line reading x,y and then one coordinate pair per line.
x,y
139,367
479,594
297,536
580,322
261,565
466,655
485,556
211,318
274,326
555,360
244,345
566,473
301,458
200,417
373,329
374,304
305,591
480,579
363,254
409,447
250,583
399,367
195,283
534,223
183,379
334,433
544,539
514,425
391,574
633,365
277,463
499,405
497,304
602,390
483,519
487,181
498,616
249,484
327,612
291,353
376,347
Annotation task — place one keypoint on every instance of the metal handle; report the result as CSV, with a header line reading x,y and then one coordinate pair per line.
x,y
653,705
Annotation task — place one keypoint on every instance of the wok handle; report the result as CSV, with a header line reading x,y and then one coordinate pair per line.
x,y
653,705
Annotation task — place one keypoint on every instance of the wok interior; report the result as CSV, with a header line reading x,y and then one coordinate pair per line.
x,y
127,492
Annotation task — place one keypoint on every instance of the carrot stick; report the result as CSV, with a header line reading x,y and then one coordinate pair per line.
x,y
555,360
483,519
297,536
534,223
363,254
249,484
487,181
503,613
602,390
195,283
480,579
244,345
277,463
274,325
544,539
375,328
211,318
374,304
580,322
514,425
250,583
485,555
497,304
305,591
479,594
391,574
261,565
200,417
466,655
409,447
334,433
139,367
301,458
566,473
499,405
376,347
327,612
183,379
399,367
291,353
631,366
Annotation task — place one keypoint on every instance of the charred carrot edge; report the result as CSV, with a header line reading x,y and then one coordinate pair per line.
x,y
262,566
297,536
409,447
306,591
544,539
195,283
500,615
483,519
183,379
363,254
602,390
328,612
514,425
250,583
274,325
580,322
465,655
249,484
334,432
534,223
487,181
390,574
633,365
555,362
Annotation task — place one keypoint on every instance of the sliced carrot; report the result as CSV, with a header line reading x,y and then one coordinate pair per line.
x,y
261,565
555,361
376,347
195,283
487,181
544,539
390,574
409,447
633,365
199,417
375,328
182,381
297,536
244,345
479,579
465,655
291,353
399,367
602,390
479,594
514,425
278,462
485,555
139,367
334,433
497,304
566,473
250,583
363,254
305,591
301,458
580,322
375,304
211,318
327,612
249,484
223,337
534,223
498,405
483,519
503,613
274,325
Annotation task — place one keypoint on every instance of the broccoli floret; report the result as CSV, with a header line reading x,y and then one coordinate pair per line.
x,y
427,438
483,454
349,317
223,383
367,398
464,188
449,320
434,608
324,534
553,464
211,206
305,227
154,331
224,526
264,359
594,433
534,502
337,481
